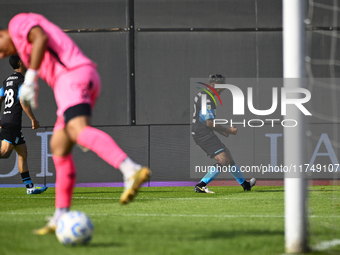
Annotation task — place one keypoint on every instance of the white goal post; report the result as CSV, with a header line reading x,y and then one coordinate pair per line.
x,y
294,52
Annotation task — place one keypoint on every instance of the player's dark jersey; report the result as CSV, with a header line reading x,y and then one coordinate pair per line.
x,y
199,126
12,114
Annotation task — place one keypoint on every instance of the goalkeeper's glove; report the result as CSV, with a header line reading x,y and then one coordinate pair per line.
x,y
29,89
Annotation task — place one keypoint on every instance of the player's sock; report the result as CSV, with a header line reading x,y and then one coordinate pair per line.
x,y
102,144
65,180
128,167
58,213
212,174
236,173
27,180
201,184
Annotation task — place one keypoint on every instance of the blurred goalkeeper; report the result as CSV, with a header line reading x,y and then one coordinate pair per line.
x,y
11,135
53,56
203,134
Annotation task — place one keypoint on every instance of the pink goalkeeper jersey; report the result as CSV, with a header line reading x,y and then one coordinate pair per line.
x,y
62,53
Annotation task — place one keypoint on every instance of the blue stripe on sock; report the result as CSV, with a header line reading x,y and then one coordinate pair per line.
x,y
27,180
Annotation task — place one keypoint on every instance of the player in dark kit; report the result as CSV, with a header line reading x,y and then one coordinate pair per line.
x,y
203,134
10,133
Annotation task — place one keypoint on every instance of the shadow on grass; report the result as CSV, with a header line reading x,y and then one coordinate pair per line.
x,y
102,245
98,192
269,191
237,233
321,190
146,191
142,190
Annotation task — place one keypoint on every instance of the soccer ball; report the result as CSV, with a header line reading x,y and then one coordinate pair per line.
x,y
74,228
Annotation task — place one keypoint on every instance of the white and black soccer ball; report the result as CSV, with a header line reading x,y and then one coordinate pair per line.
x,y
74,228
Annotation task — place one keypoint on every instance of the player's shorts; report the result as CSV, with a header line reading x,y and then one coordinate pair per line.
x,y
211,144
12,135
76,92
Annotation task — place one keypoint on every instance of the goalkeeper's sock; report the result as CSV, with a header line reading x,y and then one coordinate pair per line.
x,y
129,168
57,214
236,173
26,178
212,174
65,180
102,144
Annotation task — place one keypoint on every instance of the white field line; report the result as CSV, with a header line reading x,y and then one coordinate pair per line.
x,y
325,245
157,215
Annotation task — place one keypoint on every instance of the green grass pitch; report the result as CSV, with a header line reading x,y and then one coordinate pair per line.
x,y
169,220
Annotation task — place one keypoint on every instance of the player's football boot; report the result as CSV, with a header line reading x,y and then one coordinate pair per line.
x,y
36,190
133,183
203,189
248,185
49,228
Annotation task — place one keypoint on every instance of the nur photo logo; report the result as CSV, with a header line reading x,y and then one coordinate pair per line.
x,y
279,97
204,97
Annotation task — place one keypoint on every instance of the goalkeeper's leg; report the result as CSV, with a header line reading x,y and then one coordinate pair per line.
x,y
79,131
107,149
76,93
61,147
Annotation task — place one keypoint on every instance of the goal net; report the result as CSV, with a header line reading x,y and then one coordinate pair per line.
x,y
323,73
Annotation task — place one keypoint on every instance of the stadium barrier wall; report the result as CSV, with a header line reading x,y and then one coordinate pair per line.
x,y
146,52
